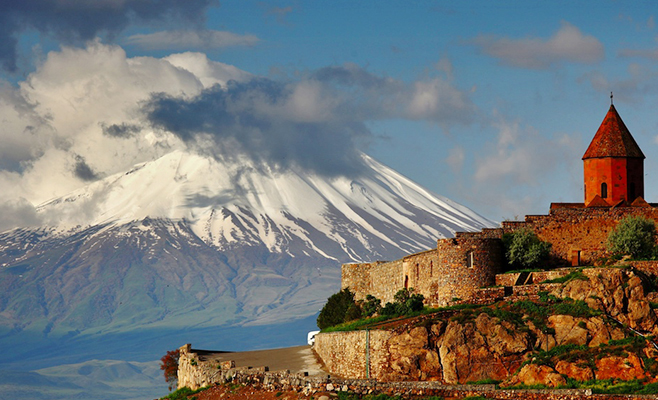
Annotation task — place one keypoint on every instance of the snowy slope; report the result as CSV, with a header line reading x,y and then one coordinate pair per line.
x,y
377,215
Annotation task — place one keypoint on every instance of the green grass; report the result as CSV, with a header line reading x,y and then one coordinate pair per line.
x,y
614,386
183,393
381,396
520,271
358,324
364,323
484,382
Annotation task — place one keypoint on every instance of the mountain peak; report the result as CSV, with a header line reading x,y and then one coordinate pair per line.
x,y
237,202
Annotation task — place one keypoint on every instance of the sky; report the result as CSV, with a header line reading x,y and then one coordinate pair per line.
x,y
489,103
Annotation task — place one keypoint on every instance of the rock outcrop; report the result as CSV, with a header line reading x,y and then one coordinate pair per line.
x,y
577,331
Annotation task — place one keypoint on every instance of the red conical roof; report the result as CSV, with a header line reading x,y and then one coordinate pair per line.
x,y
613,139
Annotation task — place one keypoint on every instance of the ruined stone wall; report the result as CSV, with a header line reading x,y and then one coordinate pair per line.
x,y
194,372
356,354
578,229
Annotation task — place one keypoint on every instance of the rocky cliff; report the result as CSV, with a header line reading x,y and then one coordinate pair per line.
x,y
592,326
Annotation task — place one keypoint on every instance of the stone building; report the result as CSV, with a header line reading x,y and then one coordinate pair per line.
x,y
613,167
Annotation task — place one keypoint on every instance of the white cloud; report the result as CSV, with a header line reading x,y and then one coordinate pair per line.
x,y
180,40
83,115
568,44
519,171
632,89
651,54
56,122
456,158
438,100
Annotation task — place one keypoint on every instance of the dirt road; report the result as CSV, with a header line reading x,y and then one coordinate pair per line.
x,y
295,359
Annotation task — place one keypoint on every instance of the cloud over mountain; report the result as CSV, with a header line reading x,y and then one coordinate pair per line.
x,y
182,40
90,112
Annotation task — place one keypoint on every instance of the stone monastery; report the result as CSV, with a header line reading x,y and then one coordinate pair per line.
x,y
457,267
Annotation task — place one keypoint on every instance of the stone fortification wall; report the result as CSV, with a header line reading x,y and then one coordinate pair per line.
x,y
455,269
380,279
356,354
572,230
466,263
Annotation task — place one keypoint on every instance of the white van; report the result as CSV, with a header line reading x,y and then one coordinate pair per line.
x,y
310,338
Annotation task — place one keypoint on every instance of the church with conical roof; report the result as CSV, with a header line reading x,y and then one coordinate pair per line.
x,y
613,165
459,267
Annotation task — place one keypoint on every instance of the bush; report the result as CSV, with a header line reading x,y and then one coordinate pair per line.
x,y
634,236
336,310
406,302
353,313
524,249
371,306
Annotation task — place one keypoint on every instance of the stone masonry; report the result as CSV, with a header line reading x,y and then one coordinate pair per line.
x,y
457,267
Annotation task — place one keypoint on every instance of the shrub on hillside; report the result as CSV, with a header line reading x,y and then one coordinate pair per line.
x,y
406,302
634,236
340,308
371,306
524,249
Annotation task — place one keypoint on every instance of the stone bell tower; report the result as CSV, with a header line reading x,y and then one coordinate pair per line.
x,y
614,164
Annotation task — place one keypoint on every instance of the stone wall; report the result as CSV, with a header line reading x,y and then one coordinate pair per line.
x,y
458,267
466,263
194,372
578,229
356,354
380,279
454,270
309,385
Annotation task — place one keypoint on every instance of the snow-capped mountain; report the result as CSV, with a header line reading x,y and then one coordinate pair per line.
x,y
378,214
193,242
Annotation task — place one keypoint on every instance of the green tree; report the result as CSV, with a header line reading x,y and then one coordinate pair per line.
x,y
634,236
336,309
524,249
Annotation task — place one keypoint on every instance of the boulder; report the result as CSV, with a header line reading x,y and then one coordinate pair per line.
x,y
568,330
501,336
532,374
572,370
624,368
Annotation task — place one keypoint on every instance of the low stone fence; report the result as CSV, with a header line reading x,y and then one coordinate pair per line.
x,y
648,267
507,279
282,381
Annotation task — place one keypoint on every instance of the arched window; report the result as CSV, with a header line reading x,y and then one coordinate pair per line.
x,y
406,282
604,190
